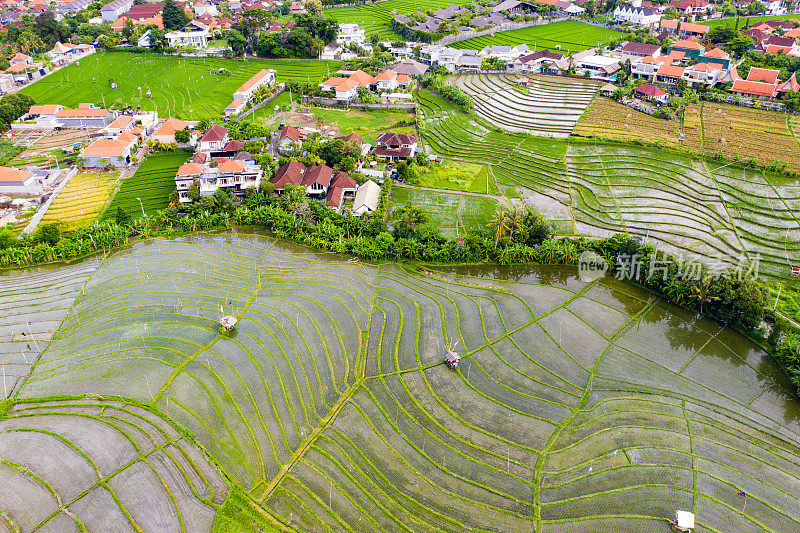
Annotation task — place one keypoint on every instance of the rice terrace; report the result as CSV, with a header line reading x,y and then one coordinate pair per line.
x,y
577,405
341,266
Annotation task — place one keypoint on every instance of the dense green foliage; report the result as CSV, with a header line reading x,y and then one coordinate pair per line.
x,y
13,106
451,93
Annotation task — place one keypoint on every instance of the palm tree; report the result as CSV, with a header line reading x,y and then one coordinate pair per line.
x,y
515,221
499,223
702,291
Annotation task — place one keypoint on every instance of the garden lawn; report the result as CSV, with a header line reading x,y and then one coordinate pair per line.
x,y
573,36
152,183
453,175
182,87
82,200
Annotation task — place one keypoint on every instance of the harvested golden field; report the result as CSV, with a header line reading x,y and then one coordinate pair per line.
x,y
82,199
606,119
740,132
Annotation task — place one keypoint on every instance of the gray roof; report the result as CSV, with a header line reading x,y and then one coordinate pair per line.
x,y
409,67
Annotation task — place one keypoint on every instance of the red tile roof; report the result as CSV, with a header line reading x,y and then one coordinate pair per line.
x,y
765,75
753,88
649,90
214,133
289,174
320,174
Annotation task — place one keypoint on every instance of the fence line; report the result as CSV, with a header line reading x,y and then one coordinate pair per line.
x,y
262,103
34,222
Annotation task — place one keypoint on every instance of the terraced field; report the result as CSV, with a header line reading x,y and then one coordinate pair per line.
x,y
549,106
166,77
571,35
577,406
151,184
720,214
102,466
82,200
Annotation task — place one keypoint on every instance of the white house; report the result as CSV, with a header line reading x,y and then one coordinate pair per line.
x,y
262,78
350,33
235,107
775,7
116,152
367,198
112,10
16,181
235,175
201,8
193,34
214,139
640,16
504,53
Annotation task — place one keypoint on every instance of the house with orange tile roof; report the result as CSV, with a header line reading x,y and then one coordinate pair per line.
x,y
234,108
705,73
669,74
120,124
683,29
165,133
347,88
236,175
116,151
17,181
86,115
760,83
690,48
262,78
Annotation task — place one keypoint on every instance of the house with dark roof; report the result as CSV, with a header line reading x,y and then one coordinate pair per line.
x,y
532,62
214,139
289,139
631,49
395,146
342,187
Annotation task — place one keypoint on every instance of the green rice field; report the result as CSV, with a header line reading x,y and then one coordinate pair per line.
x,y
447,211
152,183
571,35
181,87
377,18
576,407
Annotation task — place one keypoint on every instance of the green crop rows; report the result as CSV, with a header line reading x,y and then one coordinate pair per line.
x,y
447,210
571,35
151,183
182,87
577,406
724,215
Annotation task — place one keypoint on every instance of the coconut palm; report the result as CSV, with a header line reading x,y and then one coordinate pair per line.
x,y
702,292
499,224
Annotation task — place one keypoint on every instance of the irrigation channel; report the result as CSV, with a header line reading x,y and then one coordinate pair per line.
x,y
576,406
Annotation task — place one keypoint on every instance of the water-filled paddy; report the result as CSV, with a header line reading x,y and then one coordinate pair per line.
x,y
587,406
